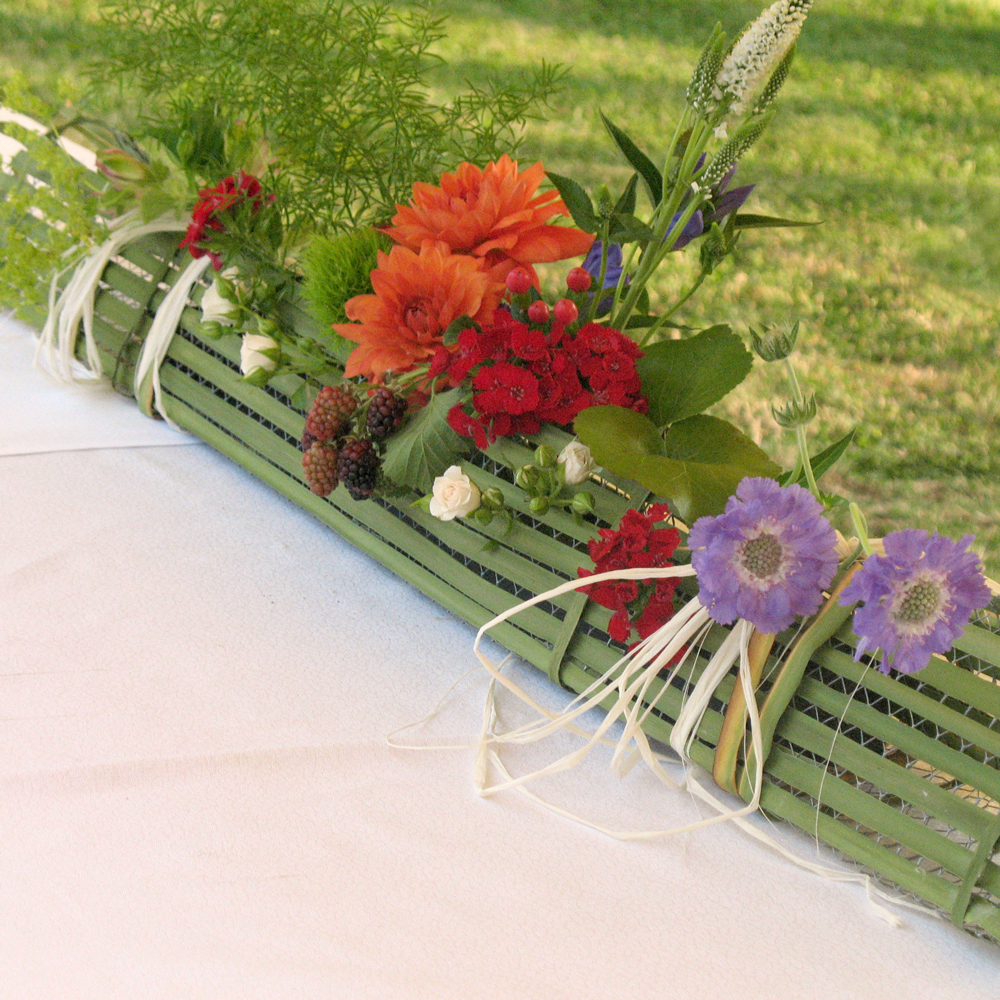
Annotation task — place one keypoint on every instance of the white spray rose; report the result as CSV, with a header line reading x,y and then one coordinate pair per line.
x,y
454,495
215,307
252,356
578,461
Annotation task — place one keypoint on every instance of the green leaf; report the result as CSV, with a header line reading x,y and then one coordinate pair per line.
x,y
425,446
824,460
638,159
626,203
456,326
683,377
577,201
627,229
749,221
697,466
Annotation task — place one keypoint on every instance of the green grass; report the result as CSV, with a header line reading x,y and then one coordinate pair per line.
x,y
886,132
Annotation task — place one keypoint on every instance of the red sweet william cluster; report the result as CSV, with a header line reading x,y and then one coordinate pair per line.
x,y
215,200
523,376
636,543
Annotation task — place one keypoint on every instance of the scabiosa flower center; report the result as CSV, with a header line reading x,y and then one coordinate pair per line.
x,y
918,604
762,556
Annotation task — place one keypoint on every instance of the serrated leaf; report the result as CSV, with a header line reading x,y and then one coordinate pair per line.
x,y
426,445
697,466
681,378
750,221
578,202
638,159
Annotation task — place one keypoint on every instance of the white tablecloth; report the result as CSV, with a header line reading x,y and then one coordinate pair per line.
x,y
196,683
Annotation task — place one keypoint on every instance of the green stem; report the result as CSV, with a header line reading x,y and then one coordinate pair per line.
x,y
860,527
599,292
658,325
800,432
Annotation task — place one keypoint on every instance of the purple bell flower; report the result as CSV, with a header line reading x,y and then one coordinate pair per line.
x,y
917,598
767,558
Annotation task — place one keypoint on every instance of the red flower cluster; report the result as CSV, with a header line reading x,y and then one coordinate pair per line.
x,y
215,200
522,376
636,543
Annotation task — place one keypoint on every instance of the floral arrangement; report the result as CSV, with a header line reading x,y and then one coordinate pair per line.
x,y
436,337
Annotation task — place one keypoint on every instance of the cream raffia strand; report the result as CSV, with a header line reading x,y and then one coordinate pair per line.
x,y
161,332
57,341
630,679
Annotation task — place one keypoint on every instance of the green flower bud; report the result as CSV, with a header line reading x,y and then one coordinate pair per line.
x,y
212,329
774,344
795,414
539,505
583,503
604,201
493,499
526,477
267,327
545,456
483,515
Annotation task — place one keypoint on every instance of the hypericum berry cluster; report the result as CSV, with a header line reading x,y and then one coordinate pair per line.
x,y
525,374
343,432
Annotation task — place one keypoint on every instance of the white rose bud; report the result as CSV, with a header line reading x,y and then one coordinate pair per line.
x,y
454,495
252,356
215,307
578,461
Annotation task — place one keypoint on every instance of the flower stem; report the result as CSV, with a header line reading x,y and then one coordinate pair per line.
x,y
860,527
800,432
658,325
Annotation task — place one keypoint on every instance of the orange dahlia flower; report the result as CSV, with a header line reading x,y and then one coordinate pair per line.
x,y
417,296
493,213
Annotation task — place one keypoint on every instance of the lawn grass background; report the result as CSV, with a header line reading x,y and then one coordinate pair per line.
x,y
888,132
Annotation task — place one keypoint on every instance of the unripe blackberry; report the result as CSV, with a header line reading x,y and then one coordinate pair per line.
x,y
330,415
385,413
357,467
319,466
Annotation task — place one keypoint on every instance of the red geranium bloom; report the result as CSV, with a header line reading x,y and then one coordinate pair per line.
x,y
216,200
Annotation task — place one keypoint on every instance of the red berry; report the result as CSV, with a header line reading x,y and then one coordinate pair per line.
x,y
565,311
518,281
330,415
319,467
538,311
579,280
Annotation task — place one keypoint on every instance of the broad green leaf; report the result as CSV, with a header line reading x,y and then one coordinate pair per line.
x,y
638,159
697,466
616,436
706,459
683,377
425,446
749,221
577,201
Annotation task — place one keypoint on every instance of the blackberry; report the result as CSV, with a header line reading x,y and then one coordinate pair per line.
x,y
308,440
330,415
385,413
358,467
319,467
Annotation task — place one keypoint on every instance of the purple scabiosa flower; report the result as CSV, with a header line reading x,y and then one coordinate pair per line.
x,y
917,598
767,558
